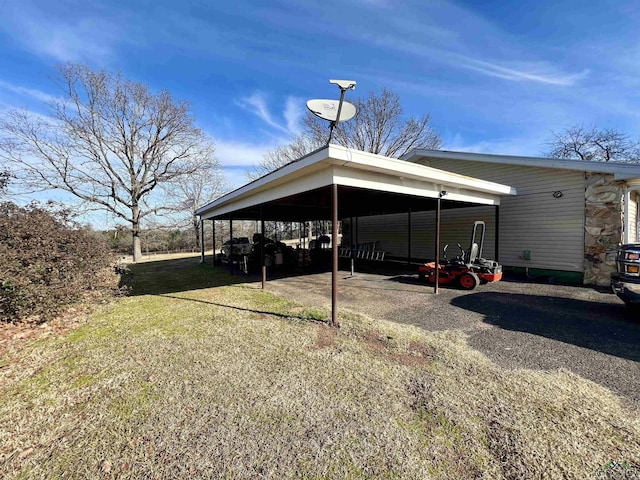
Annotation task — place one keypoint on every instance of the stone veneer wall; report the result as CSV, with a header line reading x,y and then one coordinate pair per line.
x,y
603,225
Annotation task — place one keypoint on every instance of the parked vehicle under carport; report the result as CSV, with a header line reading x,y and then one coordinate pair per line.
x,y
276,253
241,246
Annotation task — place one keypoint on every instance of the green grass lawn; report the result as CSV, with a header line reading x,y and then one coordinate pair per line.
x,y
197,376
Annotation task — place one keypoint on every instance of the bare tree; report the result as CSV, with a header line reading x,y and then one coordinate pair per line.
x,y
378,127
280,156
195,191
108,141
593,144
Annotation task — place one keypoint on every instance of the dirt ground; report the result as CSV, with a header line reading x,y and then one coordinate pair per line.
x,y
516,323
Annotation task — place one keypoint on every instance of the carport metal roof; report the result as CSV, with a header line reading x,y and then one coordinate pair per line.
x,y
368,185
335,182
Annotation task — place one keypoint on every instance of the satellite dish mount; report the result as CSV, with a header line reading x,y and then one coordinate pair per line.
x,y
334,111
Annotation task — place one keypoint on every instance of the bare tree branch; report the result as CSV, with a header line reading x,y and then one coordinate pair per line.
x,y
378,127
190,193
593,144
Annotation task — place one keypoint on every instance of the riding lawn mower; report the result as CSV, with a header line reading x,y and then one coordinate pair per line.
x,y
467,269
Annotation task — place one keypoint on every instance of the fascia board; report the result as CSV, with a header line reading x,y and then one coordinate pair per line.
x,y
626,177
312,172
624,171
400,168
312,181
283,175
409,186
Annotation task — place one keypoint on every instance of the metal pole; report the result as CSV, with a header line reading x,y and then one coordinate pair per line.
x,y
497,241
334,244
262,260
213,228
409,240
334,123
353,246
437,266
231,244
201,240
356,232
300,247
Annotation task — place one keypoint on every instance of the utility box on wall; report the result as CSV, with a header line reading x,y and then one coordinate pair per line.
x,y
526,254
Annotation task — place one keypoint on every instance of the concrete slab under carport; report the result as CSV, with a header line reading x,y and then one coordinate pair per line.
x,y
310,189
516,323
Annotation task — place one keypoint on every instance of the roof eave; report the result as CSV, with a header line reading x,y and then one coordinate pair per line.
x,y
334,158
621,171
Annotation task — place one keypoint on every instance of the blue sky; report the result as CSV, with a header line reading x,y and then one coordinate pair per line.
x,y
496,76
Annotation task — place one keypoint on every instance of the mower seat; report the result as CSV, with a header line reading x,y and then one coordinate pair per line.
x,y
473,252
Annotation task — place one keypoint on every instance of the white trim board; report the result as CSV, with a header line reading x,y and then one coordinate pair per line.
x,y
348,167
621,171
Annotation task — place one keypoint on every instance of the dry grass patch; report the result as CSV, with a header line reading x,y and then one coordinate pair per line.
x,y
197,378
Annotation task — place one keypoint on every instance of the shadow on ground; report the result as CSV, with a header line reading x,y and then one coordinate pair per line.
x,y
177,275
608,328
183,274
167,278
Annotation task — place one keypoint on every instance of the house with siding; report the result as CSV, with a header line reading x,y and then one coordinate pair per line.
x,y
565,222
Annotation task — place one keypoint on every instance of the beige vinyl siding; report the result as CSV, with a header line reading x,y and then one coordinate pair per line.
x,y
391,231
633,215
551,228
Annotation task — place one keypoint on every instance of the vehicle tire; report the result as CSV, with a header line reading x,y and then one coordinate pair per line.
x,y
468,281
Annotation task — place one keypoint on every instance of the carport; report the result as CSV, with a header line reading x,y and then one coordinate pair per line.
x,y
335,183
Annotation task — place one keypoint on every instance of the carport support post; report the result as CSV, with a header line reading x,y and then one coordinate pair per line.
x,y
262,260
356,233
231,244
353,246
334,245
213,234
409,239
437,266
497,241
201,240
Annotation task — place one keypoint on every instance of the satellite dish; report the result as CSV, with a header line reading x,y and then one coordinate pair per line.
x,y
328,110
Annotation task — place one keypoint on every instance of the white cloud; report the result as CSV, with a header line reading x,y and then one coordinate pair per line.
x,y
61,37
237,153
293,113
517,71
256,103
236,177
510,146
29,92
237,159
528,72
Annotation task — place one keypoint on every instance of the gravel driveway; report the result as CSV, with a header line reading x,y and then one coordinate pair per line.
x,y
516,324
